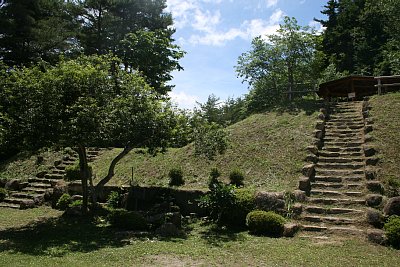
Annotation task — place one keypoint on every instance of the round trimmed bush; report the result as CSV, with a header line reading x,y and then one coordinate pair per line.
x,y
176,177
392,231
3,194
265,223
63,202
127,220
236,177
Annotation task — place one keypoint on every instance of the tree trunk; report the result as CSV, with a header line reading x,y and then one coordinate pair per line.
x,y
85,174
110,173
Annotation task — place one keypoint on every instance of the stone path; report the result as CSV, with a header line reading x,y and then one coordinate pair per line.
x,y
337,194
34,192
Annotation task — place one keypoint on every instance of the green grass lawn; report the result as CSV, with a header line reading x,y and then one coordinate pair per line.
x,y
268,148
73,242
386,115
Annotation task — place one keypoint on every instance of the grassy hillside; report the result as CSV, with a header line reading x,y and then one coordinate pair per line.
x,y
386,114
268,148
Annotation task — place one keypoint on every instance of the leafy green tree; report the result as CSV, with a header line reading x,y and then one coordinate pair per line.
x,y
278,64
85,102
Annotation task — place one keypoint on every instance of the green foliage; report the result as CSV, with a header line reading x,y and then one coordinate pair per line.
x,y
392,231
76,203
126,220
265,223
63,202
209,140
219,201
114,200
283,61
244,203
214,175
176,177
3,194
236,177
72,172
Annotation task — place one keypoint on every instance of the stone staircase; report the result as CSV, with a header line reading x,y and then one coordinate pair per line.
x,y
337,188
37,189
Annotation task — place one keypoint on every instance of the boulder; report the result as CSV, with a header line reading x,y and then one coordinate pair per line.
x,y
299,196
13,185
368,129
374,218
297,209
313,150
269,201
373,161
376,236
319,134
392,207
369,151
290,229
320,126
311,158
370,174
168,230
41,174
308,170
374,200
76,197
27,204
322,116
305,184
375,187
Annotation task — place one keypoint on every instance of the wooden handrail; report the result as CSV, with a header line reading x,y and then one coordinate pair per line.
x,y
380,84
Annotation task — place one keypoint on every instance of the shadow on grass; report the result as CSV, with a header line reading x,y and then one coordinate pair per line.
x,y
217,235
59,236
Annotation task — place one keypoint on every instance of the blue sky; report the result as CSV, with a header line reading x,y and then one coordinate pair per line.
x,y
214,33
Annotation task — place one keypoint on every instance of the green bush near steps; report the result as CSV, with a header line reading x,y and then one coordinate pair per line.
x,y
126,220
392,231
266,223
3,194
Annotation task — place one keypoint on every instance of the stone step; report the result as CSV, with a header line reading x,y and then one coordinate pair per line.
x,y
332,230
328,154
339,172
340,159
332,210
56,171
335,185
337,201
52,182
337,134
343,144
40,185
34,190
333,166
27,196
54,176
342,149
346,120
15,200
335,193
338,179
9,205
328,219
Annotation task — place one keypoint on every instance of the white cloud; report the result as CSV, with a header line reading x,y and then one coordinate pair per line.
x,y
183,100
276,17
272,3
205,21
316,26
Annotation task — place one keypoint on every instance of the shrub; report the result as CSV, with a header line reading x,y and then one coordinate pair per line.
x,y
76,203
392,231
244,203
265,223
176,177
214,175
73,172
210,139
63,202
127,220
114,200
3,194
219,201
236,177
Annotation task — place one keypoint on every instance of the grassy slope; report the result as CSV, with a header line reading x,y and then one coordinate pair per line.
x,y
83,243
25,165
269,148
386,114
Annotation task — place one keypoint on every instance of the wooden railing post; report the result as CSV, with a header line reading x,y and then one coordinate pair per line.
x,y
379,86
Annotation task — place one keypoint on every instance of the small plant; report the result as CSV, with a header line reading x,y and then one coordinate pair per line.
x,y
72,173
392,231
219,201
76,203
214,175
127,220
114,200
176,177
63,202
236,177
3,194
265,223
244,203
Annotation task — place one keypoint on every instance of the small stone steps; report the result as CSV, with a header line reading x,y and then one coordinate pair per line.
x,y
336,185
334,193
